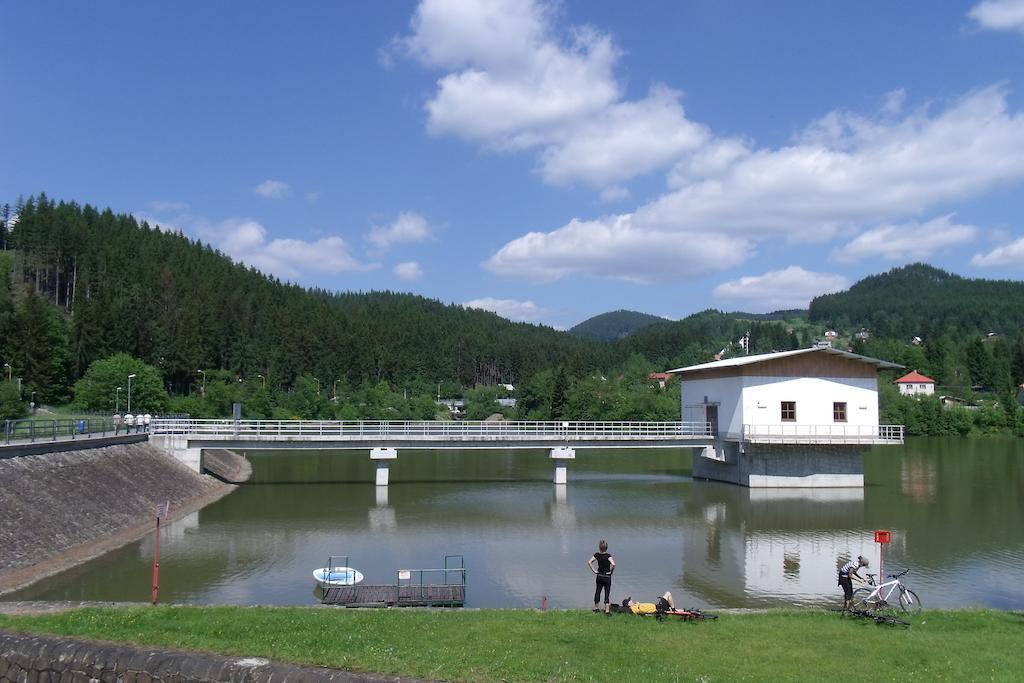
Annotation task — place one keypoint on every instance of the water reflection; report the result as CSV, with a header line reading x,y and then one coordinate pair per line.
x,y
954,509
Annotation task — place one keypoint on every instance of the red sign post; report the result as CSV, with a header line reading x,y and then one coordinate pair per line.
x,y
882,538
161,512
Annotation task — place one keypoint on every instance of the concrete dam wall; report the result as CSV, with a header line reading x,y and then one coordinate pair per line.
x,y
60,509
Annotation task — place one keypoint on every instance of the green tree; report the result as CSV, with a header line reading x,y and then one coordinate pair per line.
x,y
11,405
559,395
97,389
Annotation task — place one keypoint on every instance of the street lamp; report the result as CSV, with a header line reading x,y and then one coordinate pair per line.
x,y
9,371
264,381
129,408
317,386
203,390
32,402
334,391
117,401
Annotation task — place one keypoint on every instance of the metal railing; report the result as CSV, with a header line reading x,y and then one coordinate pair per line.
x,y
421,585
50,430
829,432
433,430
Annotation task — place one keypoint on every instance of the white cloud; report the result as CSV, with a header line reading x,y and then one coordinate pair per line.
x,y
516,83
999,15
894,101
409,270
906,242
520,311
172,226
312,196
615,246
615,193
246,240
1011,254
791,287
408,227
842,173
273,189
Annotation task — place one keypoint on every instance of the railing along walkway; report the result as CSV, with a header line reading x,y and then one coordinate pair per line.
x,y
830,433
434,430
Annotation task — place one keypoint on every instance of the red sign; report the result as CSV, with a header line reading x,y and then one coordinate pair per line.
x,y
883,537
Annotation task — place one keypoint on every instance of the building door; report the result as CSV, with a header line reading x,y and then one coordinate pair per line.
x,y
711,415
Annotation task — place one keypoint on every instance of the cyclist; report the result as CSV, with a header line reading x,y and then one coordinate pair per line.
x,y
847,573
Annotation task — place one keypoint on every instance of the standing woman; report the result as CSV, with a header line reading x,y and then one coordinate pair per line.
x,y
602,564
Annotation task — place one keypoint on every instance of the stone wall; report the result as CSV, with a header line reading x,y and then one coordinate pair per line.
x,y
60,509
50,659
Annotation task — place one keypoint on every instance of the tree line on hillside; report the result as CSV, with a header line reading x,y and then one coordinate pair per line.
x,y
81,286
922,301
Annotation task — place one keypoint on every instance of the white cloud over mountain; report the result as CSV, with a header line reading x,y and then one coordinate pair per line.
x,y
906,242
1011,254
841,175
408,270
519,311
246,241
791,287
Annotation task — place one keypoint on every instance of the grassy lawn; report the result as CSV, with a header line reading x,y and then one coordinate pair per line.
x,y
523,645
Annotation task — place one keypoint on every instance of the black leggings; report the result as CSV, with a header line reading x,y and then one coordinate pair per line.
x,y
604,582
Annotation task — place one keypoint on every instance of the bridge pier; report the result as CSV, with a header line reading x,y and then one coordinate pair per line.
x,y
560,455
382,456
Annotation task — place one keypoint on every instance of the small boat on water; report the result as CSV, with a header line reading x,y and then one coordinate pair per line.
x,y
337,576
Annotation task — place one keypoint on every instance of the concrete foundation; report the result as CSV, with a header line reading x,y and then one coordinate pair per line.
x,y
782,465
383,456
560,455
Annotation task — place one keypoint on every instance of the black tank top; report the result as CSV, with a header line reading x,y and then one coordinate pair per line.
x,y
604,563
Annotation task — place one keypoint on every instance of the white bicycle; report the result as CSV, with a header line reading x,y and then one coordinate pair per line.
x,y
886,595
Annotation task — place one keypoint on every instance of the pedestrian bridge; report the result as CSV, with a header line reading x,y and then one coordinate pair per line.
x,y
186,438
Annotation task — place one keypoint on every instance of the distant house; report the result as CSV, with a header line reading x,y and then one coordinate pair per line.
x,y
661,378
916,341
915,384
831,335
822,344
863,334
957,402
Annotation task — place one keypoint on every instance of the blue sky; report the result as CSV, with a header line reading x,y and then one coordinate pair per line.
x,y
548,161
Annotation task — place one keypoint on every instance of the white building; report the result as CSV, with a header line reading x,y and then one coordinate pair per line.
x,y
915,384
791,418
784,393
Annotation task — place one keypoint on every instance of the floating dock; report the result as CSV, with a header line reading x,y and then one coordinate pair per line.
x,y
437,595
443,587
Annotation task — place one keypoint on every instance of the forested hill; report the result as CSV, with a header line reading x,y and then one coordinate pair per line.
x,y
90,283
614,325
920,300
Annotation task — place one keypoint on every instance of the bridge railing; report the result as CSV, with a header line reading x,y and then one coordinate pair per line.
x,y
432,430
838,433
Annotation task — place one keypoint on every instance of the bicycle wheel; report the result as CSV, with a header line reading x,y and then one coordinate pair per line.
x,y
862,602
909,602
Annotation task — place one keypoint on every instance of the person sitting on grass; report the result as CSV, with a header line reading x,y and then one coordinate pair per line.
x,y
847,573
665,604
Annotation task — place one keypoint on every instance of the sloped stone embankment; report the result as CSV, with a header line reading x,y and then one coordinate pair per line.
x,y
61,509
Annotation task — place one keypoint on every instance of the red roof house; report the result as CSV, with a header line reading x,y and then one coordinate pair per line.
x,y
914,383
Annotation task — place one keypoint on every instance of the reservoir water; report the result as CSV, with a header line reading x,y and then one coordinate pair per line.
x,y
955,508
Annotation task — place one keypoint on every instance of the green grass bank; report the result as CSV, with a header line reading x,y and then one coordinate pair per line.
x,y
523,645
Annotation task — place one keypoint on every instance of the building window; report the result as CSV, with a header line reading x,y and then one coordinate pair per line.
x,y
789,411
839,412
